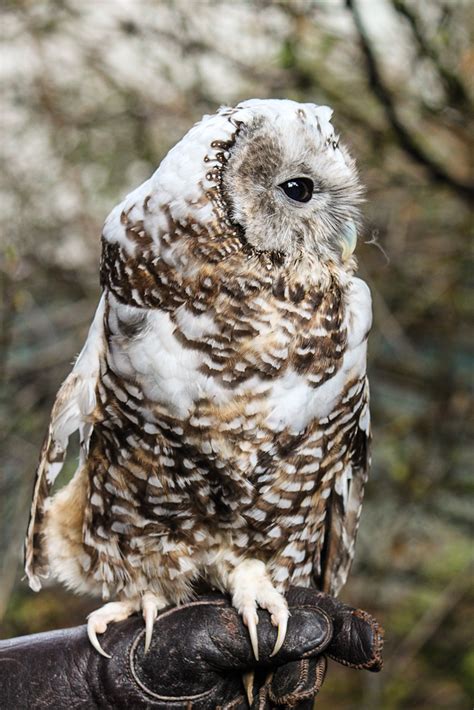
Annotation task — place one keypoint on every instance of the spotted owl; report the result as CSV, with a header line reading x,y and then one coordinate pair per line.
x,y
221,397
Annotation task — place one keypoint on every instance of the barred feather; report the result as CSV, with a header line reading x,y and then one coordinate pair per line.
x,y
222,392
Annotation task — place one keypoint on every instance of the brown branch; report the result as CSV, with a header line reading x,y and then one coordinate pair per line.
x,y
453,86
409,144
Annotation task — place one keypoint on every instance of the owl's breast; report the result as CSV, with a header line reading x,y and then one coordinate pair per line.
x,y
234,375
236,418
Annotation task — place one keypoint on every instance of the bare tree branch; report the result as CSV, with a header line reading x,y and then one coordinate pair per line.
x,y
406,140
454,88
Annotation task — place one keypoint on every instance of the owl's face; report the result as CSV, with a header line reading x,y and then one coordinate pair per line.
x,y
269,174
292,187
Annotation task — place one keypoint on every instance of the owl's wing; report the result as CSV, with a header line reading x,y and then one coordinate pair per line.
x,y
345,502
75,402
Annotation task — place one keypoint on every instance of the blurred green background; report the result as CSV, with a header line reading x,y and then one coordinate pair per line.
x,y
94,94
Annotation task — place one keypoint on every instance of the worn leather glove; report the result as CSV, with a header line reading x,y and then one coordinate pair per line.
x,y
198,656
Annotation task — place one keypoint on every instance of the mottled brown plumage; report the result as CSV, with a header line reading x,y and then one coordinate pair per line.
x,y
221,396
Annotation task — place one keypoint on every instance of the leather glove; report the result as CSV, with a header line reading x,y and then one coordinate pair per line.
x,y
196,661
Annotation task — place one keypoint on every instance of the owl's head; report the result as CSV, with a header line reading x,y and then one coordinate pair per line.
x,y
289,182
267,175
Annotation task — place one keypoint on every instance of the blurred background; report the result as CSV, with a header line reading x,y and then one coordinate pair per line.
x,y
94,94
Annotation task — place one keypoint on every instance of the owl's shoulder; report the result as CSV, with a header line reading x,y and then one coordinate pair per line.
x,y
358,300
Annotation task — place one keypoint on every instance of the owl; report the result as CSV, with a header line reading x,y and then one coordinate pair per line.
x,y
221,397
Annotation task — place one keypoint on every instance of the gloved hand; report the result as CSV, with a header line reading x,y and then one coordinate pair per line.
x,y
196,661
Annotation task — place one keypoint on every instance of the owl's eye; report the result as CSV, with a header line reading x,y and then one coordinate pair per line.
x,y
298,189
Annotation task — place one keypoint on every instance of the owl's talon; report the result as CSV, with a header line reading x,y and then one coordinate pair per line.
x,y
150,606
92,634
282,627
250,619
98,620
248,681
149,621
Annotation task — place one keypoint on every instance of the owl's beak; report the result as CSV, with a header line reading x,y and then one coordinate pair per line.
x,y
349,240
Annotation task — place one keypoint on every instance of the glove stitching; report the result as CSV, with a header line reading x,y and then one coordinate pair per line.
x,y
296,696
321,670
326,640
146,691
375,662
233,703
263,693
291,698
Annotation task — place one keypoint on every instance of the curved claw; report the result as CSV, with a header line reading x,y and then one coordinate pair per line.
x,y
248,680
150,612
92,634
251,621
97,620
282,627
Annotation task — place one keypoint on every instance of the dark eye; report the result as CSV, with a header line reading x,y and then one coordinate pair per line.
x,y
298,189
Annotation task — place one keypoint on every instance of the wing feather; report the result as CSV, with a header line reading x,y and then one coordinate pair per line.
x,y
74,404
344,505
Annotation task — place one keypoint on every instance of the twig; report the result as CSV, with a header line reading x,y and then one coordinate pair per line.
x,y
455,89
406,140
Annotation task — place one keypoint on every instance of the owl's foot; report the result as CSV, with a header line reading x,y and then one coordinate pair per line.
x,y
251,586
98,620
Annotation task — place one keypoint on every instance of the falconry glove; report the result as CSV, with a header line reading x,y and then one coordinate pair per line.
x,y
198,656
